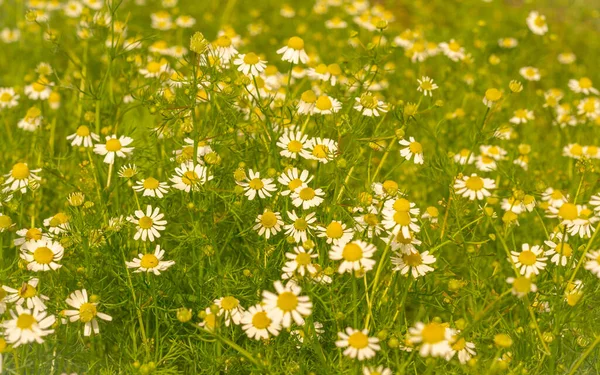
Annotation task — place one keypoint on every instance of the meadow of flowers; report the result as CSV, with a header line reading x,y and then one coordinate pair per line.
x,y
301,187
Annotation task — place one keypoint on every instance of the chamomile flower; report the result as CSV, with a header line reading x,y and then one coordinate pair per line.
x,y
292,179
27,294
355,256
86,312
250,64
322,149
83,137
560,251
155,69
307,102
401,220
254,185
507,43
26,326
592,264
582,85
403,244
224,49
530,73
554,197
58,223
268,223
537,23
485,163
380,370
21,177
491,97
294,51
300,227
128,171
494,152
464,156
566,58
300,261
426,86
415,262
8,98
151,262
369,105
293,144
583,224
326,105
465,349
114,147
28,234
474,187
521,116
257,324
5,223
530,260
412,148
453,50
357,343
521,286
39,90
335,233
148,224
151,187
190,177
287,304
369,222
230,309
433,337
42,254
307,197
589,108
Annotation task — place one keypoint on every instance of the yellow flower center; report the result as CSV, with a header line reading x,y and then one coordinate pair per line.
x,y
527,258
352,252
415,148
27,291
585,83
564,249
324,103
454,46
260,320
229,303
5,221
321,69
295,43
294,146
256,184
58,219
5,97
433,211
474,183
151,183
153,67
368,101
303,259
522,285
308,96
371,219
568,211
149,260
25,321
113,145
402,218
83,131
43,255
223,41
412,259
307,194
251,58
358,340
320,151
145,222
459,345
401,205
190,178
585,213
426,85
591,150
493,94
268,219
20,171
334,230
87,312
300,224
556,195
334,69
287,301
539,21
589,106
433,333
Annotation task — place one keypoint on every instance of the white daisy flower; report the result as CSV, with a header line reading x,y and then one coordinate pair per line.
x,y
114,147
26,326
464,156
537,23
433,337
8,98
453,50
403,244
257,324
415,262
28,234
307,197
294,51
369,222
293,144
300,261
554,197
358,344
560,251
583,225
335,233
151,187
149,224
254,185
42,255
293,179
583,85
230,309
485,163
268,223
307,102
593,263
151,262
322,149
521,116
326,105
20,178
287,304
58,223
355,256
39,90
426,86
412,148
465,350
521,286
380,370
369,105
224,49
189,176
27,294
529,260
300,227
250,64
86,312
83,137
530,73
